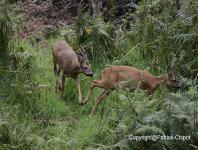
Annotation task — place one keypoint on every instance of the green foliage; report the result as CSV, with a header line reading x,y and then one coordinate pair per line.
x,y
173,116
166,31
51,32
97,36
5,38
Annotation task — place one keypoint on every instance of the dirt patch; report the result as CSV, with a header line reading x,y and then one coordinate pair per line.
x,y
42,14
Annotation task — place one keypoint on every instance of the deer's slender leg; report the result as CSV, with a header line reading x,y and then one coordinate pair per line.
x,y
95,83
57,80
55,65
79,90
63,83
98,100
89,94
55,69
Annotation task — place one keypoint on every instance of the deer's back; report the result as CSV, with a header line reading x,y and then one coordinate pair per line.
x,y
65,57
124,76
119,73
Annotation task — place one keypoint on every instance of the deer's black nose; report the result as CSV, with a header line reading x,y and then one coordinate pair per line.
x,y
178,84
91,74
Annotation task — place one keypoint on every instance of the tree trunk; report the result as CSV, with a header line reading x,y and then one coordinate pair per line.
x,y
96,6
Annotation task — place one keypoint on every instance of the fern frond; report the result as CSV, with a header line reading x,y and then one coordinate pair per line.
x,y
148,130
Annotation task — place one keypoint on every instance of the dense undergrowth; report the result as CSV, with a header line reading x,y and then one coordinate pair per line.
x,y
33,116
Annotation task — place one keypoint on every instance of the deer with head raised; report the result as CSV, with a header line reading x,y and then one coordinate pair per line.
x,y
71,63
129,78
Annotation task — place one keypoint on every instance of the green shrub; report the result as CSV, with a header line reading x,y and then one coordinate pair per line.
x,y
97,36
165,33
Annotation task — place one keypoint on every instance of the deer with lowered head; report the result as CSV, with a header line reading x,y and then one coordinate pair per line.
x,y
129,78
71,63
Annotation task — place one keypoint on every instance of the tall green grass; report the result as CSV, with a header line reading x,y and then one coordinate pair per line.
x,y
5,38
167,33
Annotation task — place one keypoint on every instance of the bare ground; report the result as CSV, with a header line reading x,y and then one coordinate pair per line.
x,y
41,14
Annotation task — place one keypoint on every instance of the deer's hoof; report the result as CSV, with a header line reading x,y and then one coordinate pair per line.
x,y
92,113
60,88
81,103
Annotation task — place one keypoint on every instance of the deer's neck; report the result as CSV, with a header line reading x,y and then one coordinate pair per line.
x,y
159,81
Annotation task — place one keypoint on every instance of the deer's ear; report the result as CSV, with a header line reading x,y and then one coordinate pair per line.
x,y
171,65
83,50
80,58
169,68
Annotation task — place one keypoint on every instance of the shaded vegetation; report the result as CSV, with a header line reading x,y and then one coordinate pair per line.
x,y
5,40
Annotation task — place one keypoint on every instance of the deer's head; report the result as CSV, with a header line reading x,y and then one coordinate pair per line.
x,y
171,79
84,63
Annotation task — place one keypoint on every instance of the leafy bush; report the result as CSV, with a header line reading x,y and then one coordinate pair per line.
x,y
167,30
97,36
172,115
